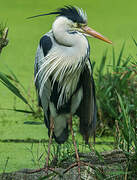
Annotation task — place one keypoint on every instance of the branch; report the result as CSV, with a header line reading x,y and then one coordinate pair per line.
x,y
3,40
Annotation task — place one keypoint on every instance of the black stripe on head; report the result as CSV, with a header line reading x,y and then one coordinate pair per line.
x,y
75,14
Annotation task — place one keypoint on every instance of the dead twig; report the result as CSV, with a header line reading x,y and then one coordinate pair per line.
x,y
3,40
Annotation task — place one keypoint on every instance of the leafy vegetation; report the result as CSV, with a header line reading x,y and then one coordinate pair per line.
x,y
117,102
16,87
118,78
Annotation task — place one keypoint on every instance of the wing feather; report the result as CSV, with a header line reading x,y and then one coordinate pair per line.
x,y
87,108
44,47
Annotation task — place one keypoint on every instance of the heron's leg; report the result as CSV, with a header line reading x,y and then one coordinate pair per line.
x,y
50,140
56,157
46,166
75,146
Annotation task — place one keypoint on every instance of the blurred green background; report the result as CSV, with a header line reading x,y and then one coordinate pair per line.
x,y
116,20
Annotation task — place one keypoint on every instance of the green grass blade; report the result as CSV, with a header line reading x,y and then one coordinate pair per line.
x,y
11,87
121,105
100,174
103,60
100,157
12,73
47,176
17,110
120,55
134,137
134,41
14,77
102,65
126,62
114,59
126,123
118,173
93,65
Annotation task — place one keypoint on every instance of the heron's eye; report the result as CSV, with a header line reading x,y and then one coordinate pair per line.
x,y
78,25
83,25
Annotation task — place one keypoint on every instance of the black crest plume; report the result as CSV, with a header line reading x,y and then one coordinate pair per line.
x,y
72,13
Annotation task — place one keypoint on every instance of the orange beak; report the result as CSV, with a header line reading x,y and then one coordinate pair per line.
x,y
92,32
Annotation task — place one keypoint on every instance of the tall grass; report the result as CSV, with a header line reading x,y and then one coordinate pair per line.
x,y
119,77
116,88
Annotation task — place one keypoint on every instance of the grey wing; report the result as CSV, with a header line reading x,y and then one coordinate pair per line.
x,y
44,47
39,56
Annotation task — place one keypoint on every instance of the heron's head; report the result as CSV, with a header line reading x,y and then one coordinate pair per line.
x,y
74,19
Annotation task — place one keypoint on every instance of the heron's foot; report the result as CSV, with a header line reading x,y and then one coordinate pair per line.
x,y
79,164
47,169
72,166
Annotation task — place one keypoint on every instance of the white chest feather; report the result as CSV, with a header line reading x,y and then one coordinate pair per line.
x,y
64,65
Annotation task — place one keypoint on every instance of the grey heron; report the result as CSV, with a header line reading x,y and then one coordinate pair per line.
x,y
63,76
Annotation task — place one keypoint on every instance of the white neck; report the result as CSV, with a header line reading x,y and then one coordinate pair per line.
x,y
61,27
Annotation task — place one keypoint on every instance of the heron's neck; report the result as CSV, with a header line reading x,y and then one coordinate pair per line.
x,y
63,36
